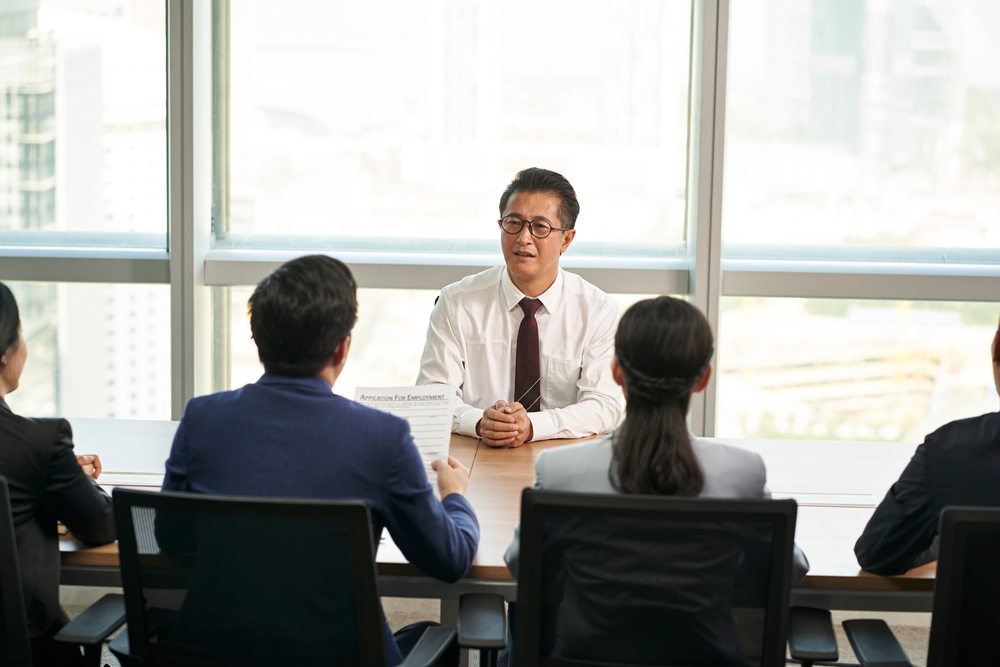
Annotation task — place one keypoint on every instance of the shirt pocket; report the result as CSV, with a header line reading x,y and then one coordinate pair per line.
x,y
560,382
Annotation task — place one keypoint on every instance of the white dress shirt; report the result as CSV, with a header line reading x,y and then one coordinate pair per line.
x,y
472,342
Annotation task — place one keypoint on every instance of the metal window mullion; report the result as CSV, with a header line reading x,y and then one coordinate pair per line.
x,y
189,196
920,284
66,266
710,33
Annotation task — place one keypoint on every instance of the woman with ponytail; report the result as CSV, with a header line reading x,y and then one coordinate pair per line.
x,y
663,354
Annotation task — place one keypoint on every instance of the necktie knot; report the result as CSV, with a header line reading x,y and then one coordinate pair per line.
x,y
530,306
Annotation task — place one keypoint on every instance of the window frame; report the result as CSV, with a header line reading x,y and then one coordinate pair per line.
x,y
192,267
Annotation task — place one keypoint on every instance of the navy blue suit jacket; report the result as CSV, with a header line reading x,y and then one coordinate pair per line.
x,y
293,438
958,464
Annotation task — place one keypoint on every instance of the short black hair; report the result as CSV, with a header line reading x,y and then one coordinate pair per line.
x,y
300,314
10,319
536,179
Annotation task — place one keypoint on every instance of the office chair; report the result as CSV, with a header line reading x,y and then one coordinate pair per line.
x,y
643,580
264,581
965,624
89,629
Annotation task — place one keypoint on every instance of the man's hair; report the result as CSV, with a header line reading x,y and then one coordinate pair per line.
x,y
300,314
535,179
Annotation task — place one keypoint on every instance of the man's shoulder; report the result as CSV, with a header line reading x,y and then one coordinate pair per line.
x,y
335,410
980,431
587,293
477,282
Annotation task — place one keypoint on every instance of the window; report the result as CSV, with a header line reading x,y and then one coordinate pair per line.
x,y
863,123
395,126
796,166
853,369
860,219
94,350
83,124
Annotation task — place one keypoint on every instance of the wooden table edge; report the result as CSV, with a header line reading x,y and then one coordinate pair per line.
x,y
107,556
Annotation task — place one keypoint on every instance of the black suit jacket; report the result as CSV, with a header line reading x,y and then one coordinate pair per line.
x,y
48,485
958,464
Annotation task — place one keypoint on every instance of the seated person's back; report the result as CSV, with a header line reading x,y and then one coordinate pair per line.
x,y
663,350
958,464
289,436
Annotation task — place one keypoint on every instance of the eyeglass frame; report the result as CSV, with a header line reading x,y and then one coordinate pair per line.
x,y
530,223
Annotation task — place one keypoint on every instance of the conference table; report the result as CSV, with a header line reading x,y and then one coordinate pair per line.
x,y
837,486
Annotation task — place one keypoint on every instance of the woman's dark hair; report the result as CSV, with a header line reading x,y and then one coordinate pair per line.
x,y
300,314
663,346
10,319
535,179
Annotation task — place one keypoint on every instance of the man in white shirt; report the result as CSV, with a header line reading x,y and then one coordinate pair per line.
x,y
528,345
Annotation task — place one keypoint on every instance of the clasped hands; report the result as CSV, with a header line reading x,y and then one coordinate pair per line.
x,y
505,425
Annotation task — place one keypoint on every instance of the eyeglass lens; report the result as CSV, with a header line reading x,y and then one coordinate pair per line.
x,y
538,228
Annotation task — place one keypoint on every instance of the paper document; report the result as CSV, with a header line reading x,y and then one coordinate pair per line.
x,y
427,408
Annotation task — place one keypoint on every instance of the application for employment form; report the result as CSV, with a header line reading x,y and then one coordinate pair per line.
x,y
427,408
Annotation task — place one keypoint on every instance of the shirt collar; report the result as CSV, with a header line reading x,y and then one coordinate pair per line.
x,y
311,383
4,406
512,296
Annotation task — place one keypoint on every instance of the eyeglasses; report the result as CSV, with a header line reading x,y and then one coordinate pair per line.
x,y
538,228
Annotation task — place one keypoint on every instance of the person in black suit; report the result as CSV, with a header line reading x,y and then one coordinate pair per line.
x,y
48,483
958,464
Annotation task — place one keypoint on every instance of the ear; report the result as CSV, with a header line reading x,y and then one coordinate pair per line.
x,y
340,354
567,239
995,348
617,373
703,382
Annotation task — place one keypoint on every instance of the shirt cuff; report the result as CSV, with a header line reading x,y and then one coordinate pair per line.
x,y
465,422
543,425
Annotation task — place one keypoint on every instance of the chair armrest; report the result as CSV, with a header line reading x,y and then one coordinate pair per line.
x,y
874,643
97,622
810,635
120,649
430,647
482,621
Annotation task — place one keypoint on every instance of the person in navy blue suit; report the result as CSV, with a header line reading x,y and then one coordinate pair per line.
x,y
288,435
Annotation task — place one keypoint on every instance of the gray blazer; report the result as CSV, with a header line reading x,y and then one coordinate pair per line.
x,y
730,472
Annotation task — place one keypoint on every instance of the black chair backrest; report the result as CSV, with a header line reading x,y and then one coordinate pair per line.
x,y
965,626
642,580
15,644
247,581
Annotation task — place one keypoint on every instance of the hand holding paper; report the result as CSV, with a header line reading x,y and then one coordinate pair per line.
x,y
453,477
428,409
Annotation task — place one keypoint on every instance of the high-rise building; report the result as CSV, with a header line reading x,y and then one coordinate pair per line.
x,y
28,179
83,149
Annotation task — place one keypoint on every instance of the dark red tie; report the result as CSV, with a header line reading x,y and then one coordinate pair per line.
x,y
527,387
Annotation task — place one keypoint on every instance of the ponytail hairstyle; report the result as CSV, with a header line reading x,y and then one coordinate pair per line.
x,y
10,320
663,347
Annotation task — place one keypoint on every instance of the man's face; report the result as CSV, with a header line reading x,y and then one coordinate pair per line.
x,y
528,258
